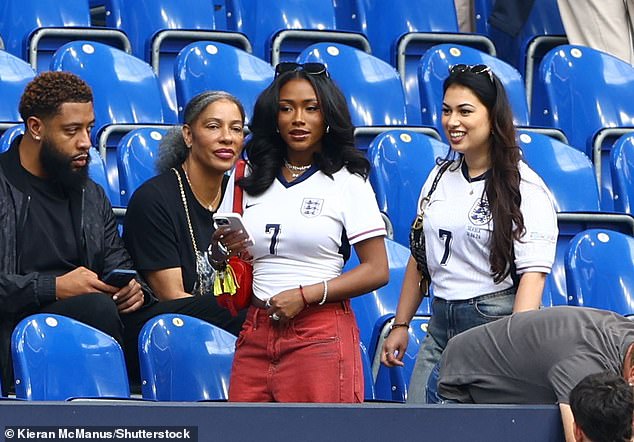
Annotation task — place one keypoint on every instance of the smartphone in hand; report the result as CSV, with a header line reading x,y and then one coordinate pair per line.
x,y
235,224
119,277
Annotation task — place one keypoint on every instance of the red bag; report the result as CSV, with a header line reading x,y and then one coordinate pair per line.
x,y
236,294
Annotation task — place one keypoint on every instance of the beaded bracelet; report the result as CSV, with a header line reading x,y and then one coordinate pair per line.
x,y
325,296
399,324
301,292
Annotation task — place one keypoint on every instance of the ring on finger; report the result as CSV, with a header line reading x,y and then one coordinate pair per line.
x,y
275,317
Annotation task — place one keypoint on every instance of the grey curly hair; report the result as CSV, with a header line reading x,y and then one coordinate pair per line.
x,y
173,151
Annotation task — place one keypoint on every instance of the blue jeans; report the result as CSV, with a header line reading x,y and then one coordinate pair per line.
x,y
433,397
448,319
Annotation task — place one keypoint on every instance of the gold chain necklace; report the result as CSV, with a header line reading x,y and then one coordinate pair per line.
x,y
212,203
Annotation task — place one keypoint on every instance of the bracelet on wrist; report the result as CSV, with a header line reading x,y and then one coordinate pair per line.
x,y
301,292
396,325
399,324
325,295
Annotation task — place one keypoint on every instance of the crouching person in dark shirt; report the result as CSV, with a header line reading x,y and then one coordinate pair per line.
x,y
536,357
58,235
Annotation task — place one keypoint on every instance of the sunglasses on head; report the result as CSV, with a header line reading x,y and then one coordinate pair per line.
x,y
477,69
309,68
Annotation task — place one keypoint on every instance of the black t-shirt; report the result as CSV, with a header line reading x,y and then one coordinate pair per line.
x,y
156,232
50,245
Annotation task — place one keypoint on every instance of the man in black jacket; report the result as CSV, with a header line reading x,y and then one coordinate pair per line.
x,y
58,235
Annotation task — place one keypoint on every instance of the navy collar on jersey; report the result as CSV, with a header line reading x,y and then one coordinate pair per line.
x,y
465,173
303,177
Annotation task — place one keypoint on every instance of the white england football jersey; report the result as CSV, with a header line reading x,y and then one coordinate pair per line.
x,y
298,227
457,225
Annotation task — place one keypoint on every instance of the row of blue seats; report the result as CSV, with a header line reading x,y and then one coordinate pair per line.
x,y
127,92
186,359
181,359
156,31
24,25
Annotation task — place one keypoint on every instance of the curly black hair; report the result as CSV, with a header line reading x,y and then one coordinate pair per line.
x,y
45,94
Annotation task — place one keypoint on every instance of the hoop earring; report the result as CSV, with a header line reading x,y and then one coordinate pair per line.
x,y
327,129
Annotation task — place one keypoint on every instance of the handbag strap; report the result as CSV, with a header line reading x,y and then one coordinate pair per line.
x,y
237,190
443,167
418,221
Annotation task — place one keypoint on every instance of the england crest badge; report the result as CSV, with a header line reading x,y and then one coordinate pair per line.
x,y
311,207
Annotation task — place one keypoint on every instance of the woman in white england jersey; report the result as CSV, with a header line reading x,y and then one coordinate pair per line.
x,y
488,226
306,200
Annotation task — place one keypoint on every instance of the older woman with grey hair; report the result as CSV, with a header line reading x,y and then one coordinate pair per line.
x,y
168,228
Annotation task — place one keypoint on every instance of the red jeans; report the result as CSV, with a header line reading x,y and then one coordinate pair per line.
x,y
314,357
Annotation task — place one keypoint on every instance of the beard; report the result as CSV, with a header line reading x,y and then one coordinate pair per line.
x,y
59,166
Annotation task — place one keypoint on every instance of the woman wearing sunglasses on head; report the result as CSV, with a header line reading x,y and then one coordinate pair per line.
x,y
306,200
486,229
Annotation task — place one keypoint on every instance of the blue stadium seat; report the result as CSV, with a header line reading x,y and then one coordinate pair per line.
x,y
368,380
600,270
392,383
159,30
401,161
9,135
433,69
401,33
622,167
208,65
184,359
14,76
590,96
58,358
375,312
280,32
569,175
34,29
567,172
126,91
389,385
136,157
542,31
371,86
98,173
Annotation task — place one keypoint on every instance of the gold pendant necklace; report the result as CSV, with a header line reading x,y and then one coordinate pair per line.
x,y
212,203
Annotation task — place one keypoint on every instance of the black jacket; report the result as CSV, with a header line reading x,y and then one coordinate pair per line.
x,y
101,248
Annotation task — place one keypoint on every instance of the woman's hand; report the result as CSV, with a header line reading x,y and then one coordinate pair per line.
x,y
235,241
286,305
394,347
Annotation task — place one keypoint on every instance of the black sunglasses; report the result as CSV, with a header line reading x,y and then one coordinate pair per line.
x,y
477,69
309,68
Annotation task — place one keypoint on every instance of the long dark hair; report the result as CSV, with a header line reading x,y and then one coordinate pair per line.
x,y
266,149
503,185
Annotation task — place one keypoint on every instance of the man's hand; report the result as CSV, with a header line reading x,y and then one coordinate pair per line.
x,y
129,298
79,282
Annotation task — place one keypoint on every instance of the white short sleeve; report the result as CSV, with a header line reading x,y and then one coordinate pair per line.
x,y
535,252
361,216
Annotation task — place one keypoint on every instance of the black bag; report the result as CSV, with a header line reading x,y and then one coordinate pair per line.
x,y
417,235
